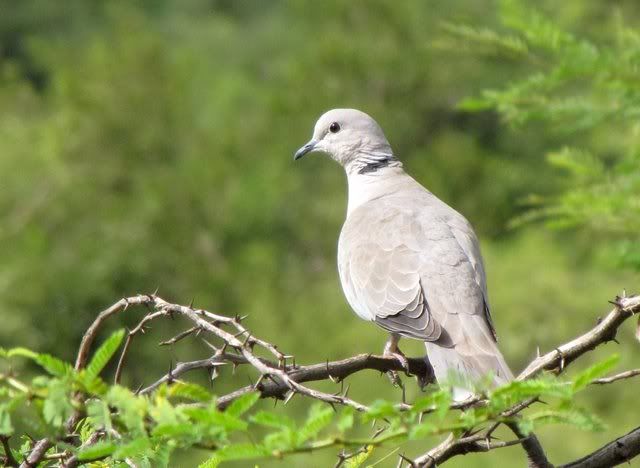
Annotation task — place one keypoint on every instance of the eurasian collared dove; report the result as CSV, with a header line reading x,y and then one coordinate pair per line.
x,y
408,261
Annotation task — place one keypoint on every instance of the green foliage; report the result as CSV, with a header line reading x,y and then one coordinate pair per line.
x,y
124,425
148,144
576,86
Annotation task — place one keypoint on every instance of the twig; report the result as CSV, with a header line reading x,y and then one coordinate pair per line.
x,y
337,370
9,459
451,447
92,331
37,453
614,378
614,453
605,331
138,329
282,380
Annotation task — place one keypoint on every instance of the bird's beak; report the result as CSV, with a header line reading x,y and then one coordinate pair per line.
x,y
309,147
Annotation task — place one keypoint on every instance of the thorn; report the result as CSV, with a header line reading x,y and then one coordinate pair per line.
x,y
233,368
126,304
246,340
170,377
155,293
333,407
191,303
270,377
289,396
537,351
243,317
561,359
258,384
411,463
210,345
138,390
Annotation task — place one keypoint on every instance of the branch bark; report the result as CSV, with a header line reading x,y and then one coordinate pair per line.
x,y
280,379
614,453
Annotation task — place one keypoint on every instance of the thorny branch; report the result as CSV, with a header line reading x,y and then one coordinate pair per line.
x,y
281,378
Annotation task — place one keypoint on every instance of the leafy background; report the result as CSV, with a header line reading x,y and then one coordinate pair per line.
x,y
148,144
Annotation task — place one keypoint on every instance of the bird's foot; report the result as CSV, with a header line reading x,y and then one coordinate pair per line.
x,y
391,350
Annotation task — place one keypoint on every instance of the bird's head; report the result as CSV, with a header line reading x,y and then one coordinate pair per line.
x,y
350,137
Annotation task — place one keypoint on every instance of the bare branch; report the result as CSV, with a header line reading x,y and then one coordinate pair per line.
x,y
614,453
605,331
282,379
92,331
614,378
138,329
9,459
336,370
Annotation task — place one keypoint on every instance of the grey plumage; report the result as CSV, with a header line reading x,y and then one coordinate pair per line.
x,y
407,261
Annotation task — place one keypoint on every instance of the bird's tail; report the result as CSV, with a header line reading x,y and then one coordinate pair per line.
x,y
465,370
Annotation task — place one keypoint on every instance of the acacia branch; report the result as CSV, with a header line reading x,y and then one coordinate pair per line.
x,y
604,331
614,453
280,379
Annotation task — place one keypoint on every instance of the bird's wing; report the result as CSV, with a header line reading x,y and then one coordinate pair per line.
x,y
403,266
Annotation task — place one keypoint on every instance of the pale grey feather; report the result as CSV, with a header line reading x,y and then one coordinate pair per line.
x,y
408,261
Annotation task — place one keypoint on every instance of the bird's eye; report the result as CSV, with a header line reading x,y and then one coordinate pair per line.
x,y
334,127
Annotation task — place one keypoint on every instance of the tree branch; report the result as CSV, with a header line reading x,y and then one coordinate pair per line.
x,y
280,379
614,453
605,331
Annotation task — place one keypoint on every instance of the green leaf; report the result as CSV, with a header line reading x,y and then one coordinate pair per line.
x,y
99,414
577,417
135,448
104,354
23,352
346,419
96,451
320,416
438,401
6,428
597,370
175,430
243,404
132,409
57,405
236,452
53,365
358,460
380,409
189,391
422,430
212,417
516,391
278,421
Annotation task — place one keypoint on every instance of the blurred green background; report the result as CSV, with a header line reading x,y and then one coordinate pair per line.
x,y
149,144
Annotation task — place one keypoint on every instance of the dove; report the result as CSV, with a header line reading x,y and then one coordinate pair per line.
x,y
407,261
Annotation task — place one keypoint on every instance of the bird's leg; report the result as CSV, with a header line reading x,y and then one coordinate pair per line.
x,y
391,350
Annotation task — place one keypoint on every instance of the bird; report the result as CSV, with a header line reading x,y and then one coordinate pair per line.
x,y
407,261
